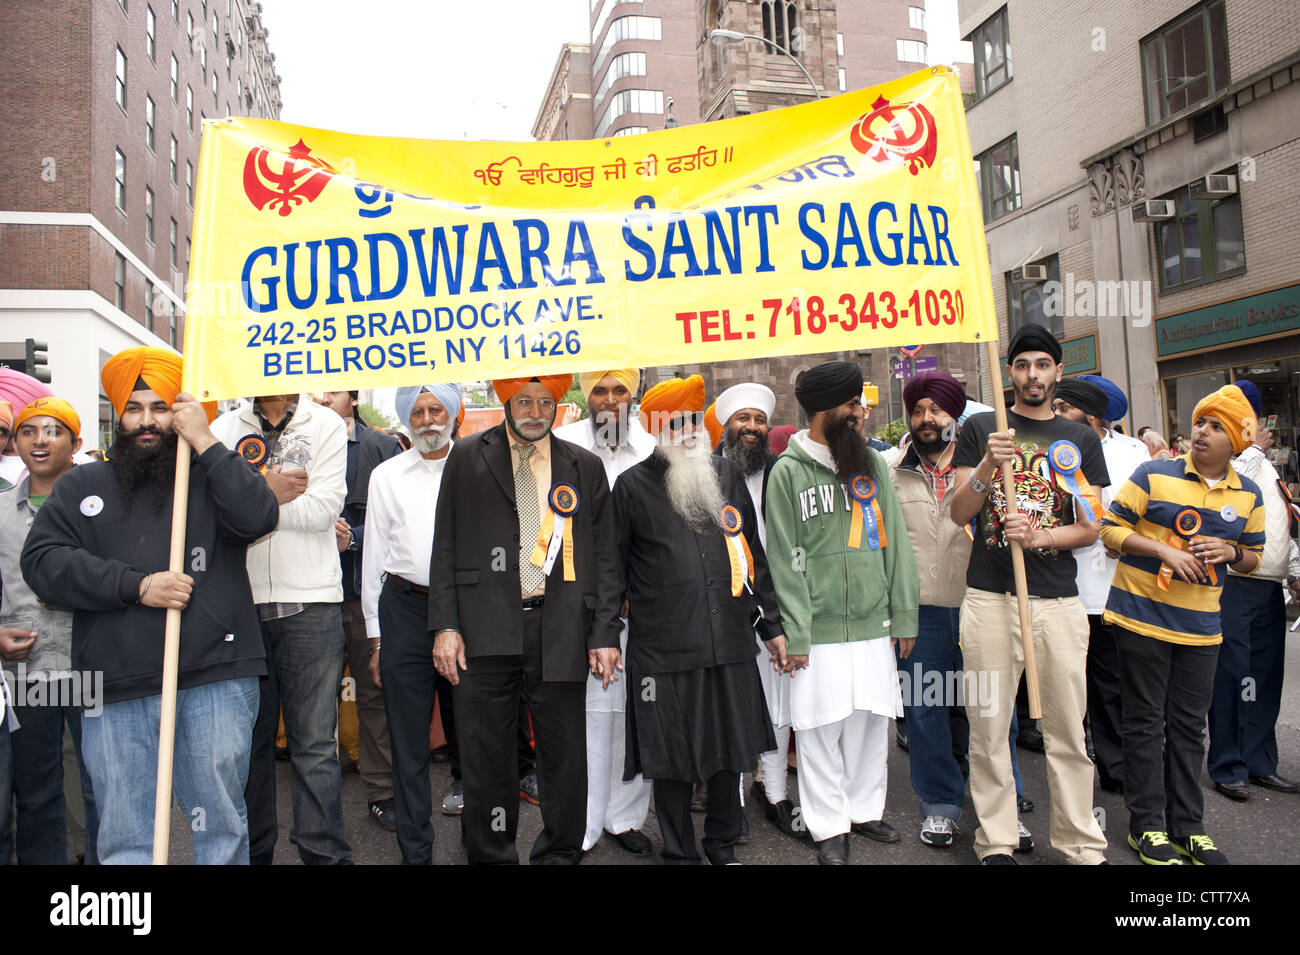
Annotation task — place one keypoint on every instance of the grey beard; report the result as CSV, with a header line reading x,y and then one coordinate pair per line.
x,y
692,487
427,444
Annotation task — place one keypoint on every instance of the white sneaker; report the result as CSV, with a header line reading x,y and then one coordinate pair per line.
x,y
1026,838
937,831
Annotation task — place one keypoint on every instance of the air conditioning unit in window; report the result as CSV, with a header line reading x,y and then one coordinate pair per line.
x,y
1153,210
1032,273
1214,187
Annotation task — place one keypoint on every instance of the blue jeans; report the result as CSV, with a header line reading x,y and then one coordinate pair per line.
x,y
38,780
214,726
304,666
936,772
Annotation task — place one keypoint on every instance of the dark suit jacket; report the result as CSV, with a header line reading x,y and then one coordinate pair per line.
x,y
474,570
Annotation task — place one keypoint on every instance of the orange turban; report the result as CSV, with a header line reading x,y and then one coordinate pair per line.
x,y
670,397
1230,407
712,423
629,378
160,369
557,385
6,413
55,408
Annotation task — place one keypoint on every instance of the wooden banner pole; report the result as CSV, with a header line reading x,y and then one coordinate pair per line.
x,y
171,663
1017,552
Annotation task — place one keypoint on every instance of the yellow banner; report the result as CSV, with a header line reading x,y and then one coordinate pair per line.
x,y
325,261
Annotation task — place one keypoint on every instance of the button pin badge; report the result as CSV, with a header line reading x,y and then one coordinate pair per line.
x,y
92,505
1228,513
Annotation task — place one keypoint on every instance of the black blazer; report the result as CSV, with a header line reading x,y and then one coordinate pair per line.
x,y
767,469
474,569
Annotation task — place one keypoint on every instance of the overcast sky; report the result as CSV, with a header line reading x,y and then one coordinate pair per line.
x,y
434,69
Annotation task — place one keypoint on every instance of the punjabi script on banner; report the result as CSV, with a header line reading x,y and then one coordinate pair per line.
x,y
324,260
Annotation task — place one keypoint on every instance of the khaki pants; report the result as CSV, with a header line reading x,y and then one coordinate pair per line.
x,y
991,643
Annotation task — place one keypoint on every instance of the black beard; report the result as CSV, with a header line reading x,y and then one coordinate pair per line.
x,y
1049,392
750,460
929,447
849,450
151,467
613,426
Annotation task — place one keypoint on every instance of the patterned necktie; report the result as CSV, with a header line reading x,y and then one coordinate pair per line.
x,y
530,521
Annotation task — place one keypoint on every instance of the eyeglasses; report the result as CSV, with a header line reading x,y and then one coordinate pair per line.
x,y
677,422
544,405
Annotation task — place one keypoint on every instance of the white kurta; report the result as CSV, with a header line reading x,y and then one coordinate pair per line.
x,y
842,678
611,803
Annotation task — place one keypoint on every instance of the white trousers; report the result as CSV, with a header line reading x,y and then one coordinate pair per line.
x,y
776,766
843,773
611,803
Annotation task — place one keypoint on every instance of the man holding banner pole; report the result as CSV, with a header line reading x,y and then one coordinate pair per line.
x,y
524,595
97,547
1057,466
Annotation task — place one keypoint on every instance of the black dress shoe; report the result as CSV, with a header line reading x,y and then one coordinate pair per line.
x,y
1275,782
782,816
879,830
1235,790
633,841
1025,805
1030,737
743,838
725,856
834,851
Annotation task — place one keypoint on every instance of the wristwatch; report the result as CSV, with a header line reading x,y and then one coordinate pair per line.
x,y
352,541
1237,554
978,486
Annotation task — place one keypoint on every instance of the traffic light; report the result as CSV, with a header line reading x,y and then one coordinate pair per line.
x,y
38,360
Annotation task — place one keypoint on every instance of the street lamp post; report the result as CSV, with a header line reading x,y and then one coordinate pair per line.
x,y
723,37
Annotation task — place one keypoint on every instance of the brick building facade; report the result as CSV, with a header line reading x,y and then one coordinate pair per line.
x,y
1098,130
102,106
652,63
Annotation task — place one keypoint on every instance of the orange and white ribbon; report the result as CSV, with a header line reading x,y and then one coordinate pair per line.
x,y
738,553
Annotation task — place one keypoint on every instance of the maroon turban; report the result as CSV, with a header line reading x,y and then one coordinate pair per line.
x,y
940,387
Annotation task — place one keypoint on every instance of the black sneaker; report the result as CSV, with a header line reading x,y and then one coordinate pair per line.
x,y
1154,848
1199,850
384,814
1000,858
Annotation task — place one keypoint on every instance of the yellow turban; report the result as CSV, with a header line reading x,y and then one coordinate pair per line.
x,y
55,408
507,388
712,424
629,378
670,397
160,370
1230,408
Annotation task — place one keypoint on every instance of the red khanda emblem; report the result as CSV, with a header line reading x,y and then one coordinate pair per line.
x,y
902,132
301,180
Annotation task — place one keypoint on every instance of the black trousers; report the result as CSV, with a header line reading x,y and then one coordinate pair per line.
x,y
721,823
1104,710
447,713
1167,689
407,671
1243,715
487,703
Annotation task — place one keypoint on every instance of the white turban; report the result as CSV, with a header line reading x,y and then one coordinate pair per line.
x,y
747,395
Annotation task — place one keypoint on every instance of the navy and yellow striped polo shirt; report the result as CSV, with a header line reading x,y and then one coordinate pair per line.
x,y
1146,504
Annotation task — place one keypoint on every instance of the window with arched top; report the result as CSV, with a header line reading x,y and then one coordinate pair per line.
x,y
781,25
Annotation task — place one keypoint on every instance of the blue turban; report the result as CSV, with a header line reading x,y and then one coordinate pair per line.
x,y
1117,403
448,396
972,407
1252,395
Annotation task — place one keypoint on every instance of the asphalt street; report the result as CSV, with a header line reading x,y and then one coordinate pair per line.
x,y
1260,831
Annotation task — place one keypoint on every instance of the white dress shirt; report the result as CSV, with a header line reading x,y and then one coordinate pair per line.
x,y
399,526
1094,569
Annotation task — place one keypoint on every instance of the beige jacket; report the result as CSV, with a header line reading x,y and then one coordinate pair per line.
x,y
942,548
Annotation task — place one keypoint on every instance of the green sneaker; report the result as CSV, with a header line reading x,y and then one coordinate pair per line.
x,y
1154,848
1201,850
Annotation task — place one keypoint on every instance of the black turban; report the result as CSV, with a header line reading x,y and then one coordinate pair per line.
x,y
1033,337
827,385
1084,395
941,388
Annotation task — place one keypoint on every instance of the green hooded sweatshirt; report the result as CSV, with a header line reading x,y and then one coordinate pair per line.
x,y
828,591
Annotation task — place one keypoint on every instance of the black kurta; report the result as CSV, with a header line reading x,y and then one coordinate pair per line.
x,y
697,705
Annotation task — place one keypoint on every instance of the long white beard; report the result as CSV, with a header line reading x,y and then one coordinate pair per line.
x,y
692,485
433,438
